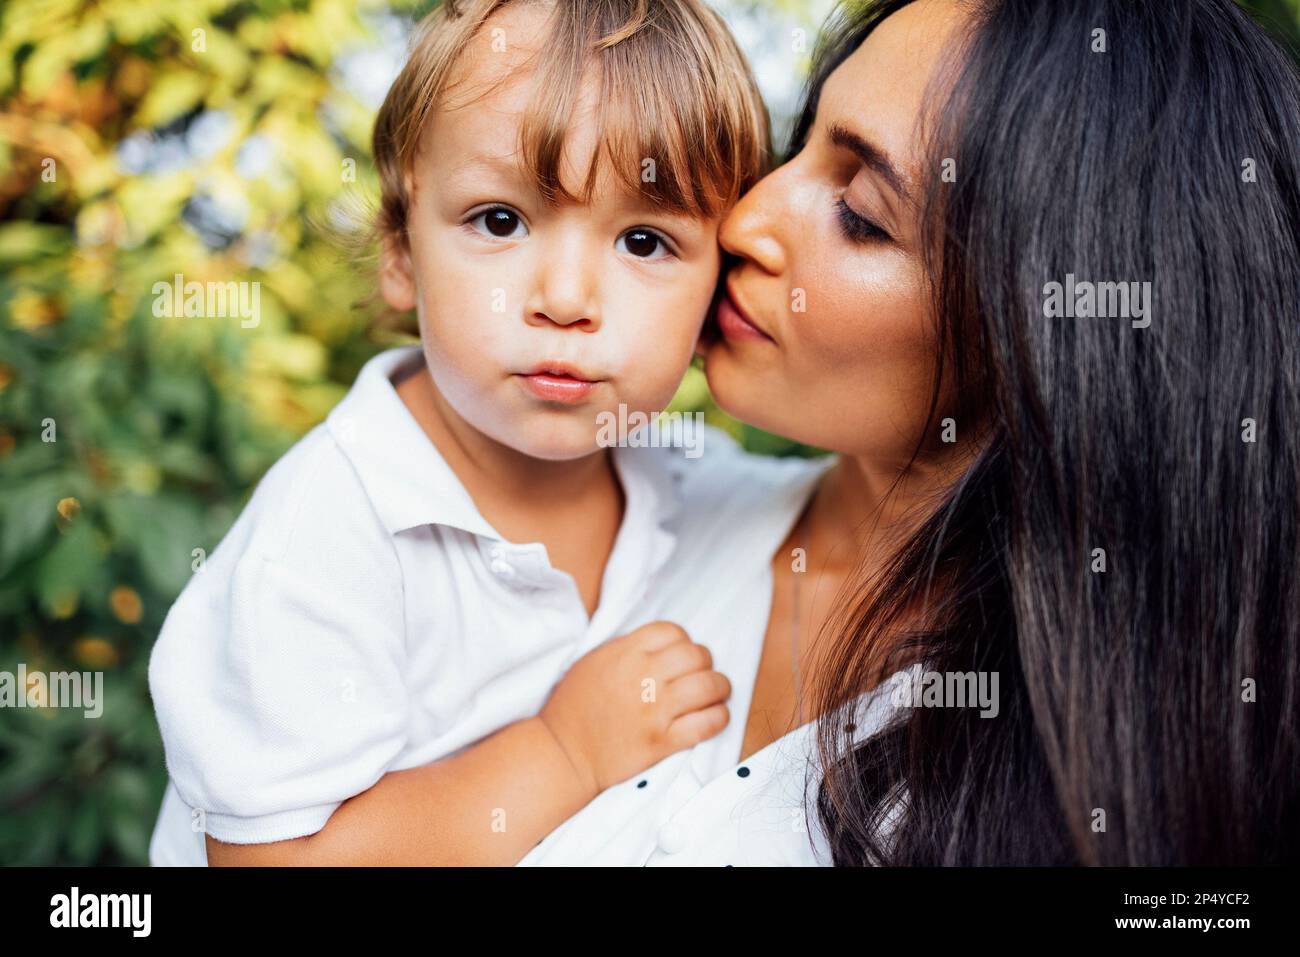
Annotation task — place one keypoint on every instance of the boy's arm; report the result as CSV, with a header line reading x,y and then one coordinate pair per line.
x,y
487,805
493,802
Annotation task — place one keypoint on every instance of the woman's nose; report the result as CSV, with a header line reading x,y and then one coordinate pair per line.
x,y
752,229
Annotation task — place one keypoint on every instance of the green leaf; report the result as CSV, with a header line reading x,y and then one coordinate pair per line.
x,y
70,568
161,532
27,517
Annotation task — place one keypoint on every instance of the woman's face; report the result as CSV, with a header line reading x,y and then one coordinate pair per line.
x,y
826,332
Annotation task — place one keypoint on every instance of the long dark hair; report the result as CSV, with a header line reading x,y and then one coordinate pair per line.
x,y
1163,691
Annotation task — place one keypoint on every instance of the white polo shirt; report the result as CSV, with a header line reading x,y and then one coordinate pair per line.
x,y
362,617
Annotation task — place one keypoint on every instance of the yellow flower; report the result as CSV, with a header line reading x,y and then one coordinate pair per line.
x,y
126,604
68,508
30,310
94,652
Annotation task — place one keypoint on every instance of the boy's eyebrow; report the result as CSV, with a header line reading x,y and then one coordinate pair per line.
x,y
507,163
871,156
638,201
626,200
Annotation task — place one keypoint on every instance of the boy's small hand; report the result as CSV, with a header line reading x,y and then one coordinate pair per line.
x,y
635,700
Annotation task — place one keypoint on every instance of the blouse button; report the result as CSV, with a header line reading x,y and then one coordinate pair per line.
x,y
671,838
502,569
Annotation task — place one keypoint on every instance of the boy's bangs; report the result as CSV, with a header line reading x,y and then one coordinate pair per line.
x,y
679,119
669,129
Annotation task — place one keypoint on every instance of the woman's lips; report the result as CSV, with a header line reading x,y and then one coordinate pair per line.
x,y
558,384
735,324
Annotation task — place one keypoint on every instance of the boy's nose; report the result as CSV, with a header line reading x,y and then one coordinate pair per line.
x,y
566,292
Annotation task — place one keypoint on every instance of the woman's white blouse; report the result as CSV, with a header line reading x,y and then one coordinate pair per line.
x,y
758,812
703,806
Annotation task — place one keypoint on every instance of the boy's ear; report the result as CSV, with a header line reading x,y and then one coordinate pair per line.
x,y
396,276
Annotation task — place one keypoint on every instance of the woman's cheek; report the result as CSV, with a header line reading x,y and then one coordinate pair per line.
x,y
870,309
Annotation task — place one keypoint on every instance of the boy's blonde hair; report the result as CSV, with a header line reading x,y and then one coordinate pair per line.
x,y
675,89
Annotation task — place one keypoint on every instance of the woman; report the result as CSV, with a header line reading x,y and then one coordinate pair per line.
x,y
1085,490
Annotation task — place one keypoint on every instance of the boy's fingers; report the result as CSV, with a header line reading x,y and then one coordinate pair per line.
x,y
697,690
681,658
690,729
659,635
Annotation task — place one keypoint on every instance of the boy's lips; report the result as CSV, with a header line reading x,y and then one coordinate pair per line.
x,y
734,321
558,382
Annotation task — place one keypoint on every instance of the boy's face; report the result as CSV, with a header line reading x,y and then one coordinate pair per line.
x,y
536,318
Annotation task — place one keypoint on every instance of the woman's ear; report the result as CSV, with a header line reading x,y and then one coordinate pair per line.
x,y
396,275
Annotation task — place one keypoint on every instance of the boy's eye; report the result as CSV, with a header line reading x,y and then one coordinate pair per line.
x,y
643,244
501,223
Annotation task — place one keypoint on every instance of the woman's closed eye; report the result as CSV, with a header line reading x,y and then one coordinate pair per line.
x,y
857,227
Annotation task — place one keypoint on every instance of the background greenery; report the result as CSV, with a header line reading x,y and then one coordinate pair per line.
x,y
128,154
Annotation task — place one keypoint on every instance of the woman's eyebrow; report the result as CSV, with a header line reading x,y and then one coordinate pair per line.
x,y
871,156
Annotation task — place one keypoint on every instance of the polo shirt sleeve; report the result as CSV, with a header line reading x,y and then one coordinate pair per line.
x,y
277,678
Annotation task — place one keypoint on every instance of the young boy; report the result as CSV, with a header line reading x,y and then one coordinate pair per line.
x,y
366,670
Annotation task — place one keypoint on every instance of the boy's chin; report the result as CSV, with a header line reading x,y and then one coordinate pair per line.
x,y
552,447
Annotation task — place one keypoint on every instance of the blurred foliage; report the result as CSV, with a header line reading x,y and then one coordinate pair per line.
x,y
138,140
125,159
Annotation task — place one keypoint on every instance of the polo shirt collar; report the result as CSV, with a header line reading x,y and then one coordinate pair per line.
x,y
410,484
